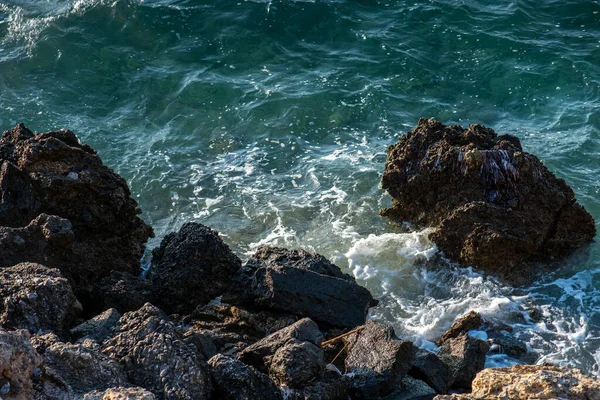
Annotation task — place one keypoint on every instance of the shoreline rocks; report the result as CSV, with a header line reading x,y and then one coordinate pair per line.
x,y
495,206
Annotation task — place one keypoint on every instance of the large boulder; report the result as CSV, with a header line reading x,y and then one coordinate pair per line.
x,y
36,298
495,206
155,356
301,283
190,268
430,369
377,360
524,382
465,357
97,328
18,360
470,321
53,173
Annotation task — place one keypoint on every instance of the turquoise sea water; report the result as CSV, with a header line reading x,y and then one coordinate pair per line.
x,y
269,120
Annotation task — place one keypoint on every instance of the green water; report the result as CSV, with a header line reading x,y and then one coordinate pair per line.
x,y
269,122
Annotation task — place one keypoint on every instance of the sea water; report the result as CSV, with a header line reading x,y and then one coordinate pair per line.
x,y
269,121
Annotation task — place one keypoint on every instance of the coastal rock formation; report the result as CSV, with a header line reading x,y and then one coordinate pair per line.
x,y
97,328
524,382
155,356
18,360
193,258
428,368
301,283
377,360
120,393
465,357
53,174
36,298
470,321
495,206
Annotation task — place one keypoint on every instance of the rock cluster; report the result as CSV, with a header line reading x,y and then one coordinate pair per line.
x,y
288,324
495,206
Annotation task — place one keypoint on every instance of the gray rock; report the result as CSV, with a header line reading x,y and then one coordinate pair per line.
x,y
308,289
377,360
411,389
330,386
234,380
36,298
193,258
296,363
431,370
465,357
97,328
155,356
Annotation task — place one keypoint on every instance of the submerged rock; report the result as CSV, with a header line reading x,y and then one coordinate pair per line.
x,y
36,298
495,206
301,283
523,382
91,225
190,268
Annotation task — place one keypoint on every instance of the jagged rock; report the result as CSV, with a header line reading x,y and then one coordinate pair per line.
x,y
53,173
234,380
134,393
470,321
465,357
260,353
155,356
97,328
230,328
82,367
121,291
193,258
523,382
330,386
411,389
296,363
36,298
18,360
431,370
300,283
41,342
377,360
495,206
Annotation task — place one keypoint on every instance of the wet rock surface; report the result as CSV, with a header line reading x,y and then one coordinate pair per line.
x,y
495,206
524,382
195,257
36,298
301,283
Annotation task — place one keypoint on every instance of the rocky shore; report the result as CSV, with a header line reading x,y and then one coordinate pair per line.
x,y
80,322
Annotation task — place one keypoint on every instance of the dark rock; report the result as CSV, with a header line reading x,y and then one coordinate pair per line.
x,y
411,389
233,328
120,393
97,328
282,281
193,258
296,363
504,343
470,321
377,360
495,207
155,356
234,380
330,386
260,353
121,291
431,370
52,173
36,298
18,360
465,357
82,368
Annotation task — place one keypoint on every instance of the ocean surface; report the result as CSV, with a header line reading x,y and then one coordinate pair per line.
x,y
269,121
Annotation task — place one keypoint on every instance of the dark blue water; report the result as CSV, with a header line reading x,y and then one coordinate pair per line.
x,y
269,120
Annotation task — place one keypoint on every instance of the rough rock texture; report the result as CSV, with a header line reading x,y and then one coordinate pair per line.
x,y
120,393
121,291
18,360
260,353
156,358
465,357
470,321
524,382
234,380
430,369
97,328
377,360
330,386
296,363
411,389
301,283
82,368
52,173
495,206
36,298
193,258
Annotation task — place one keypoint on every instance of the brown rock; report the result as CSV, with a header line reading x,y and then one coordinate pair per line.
x,y
18,360
470,321
120,393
